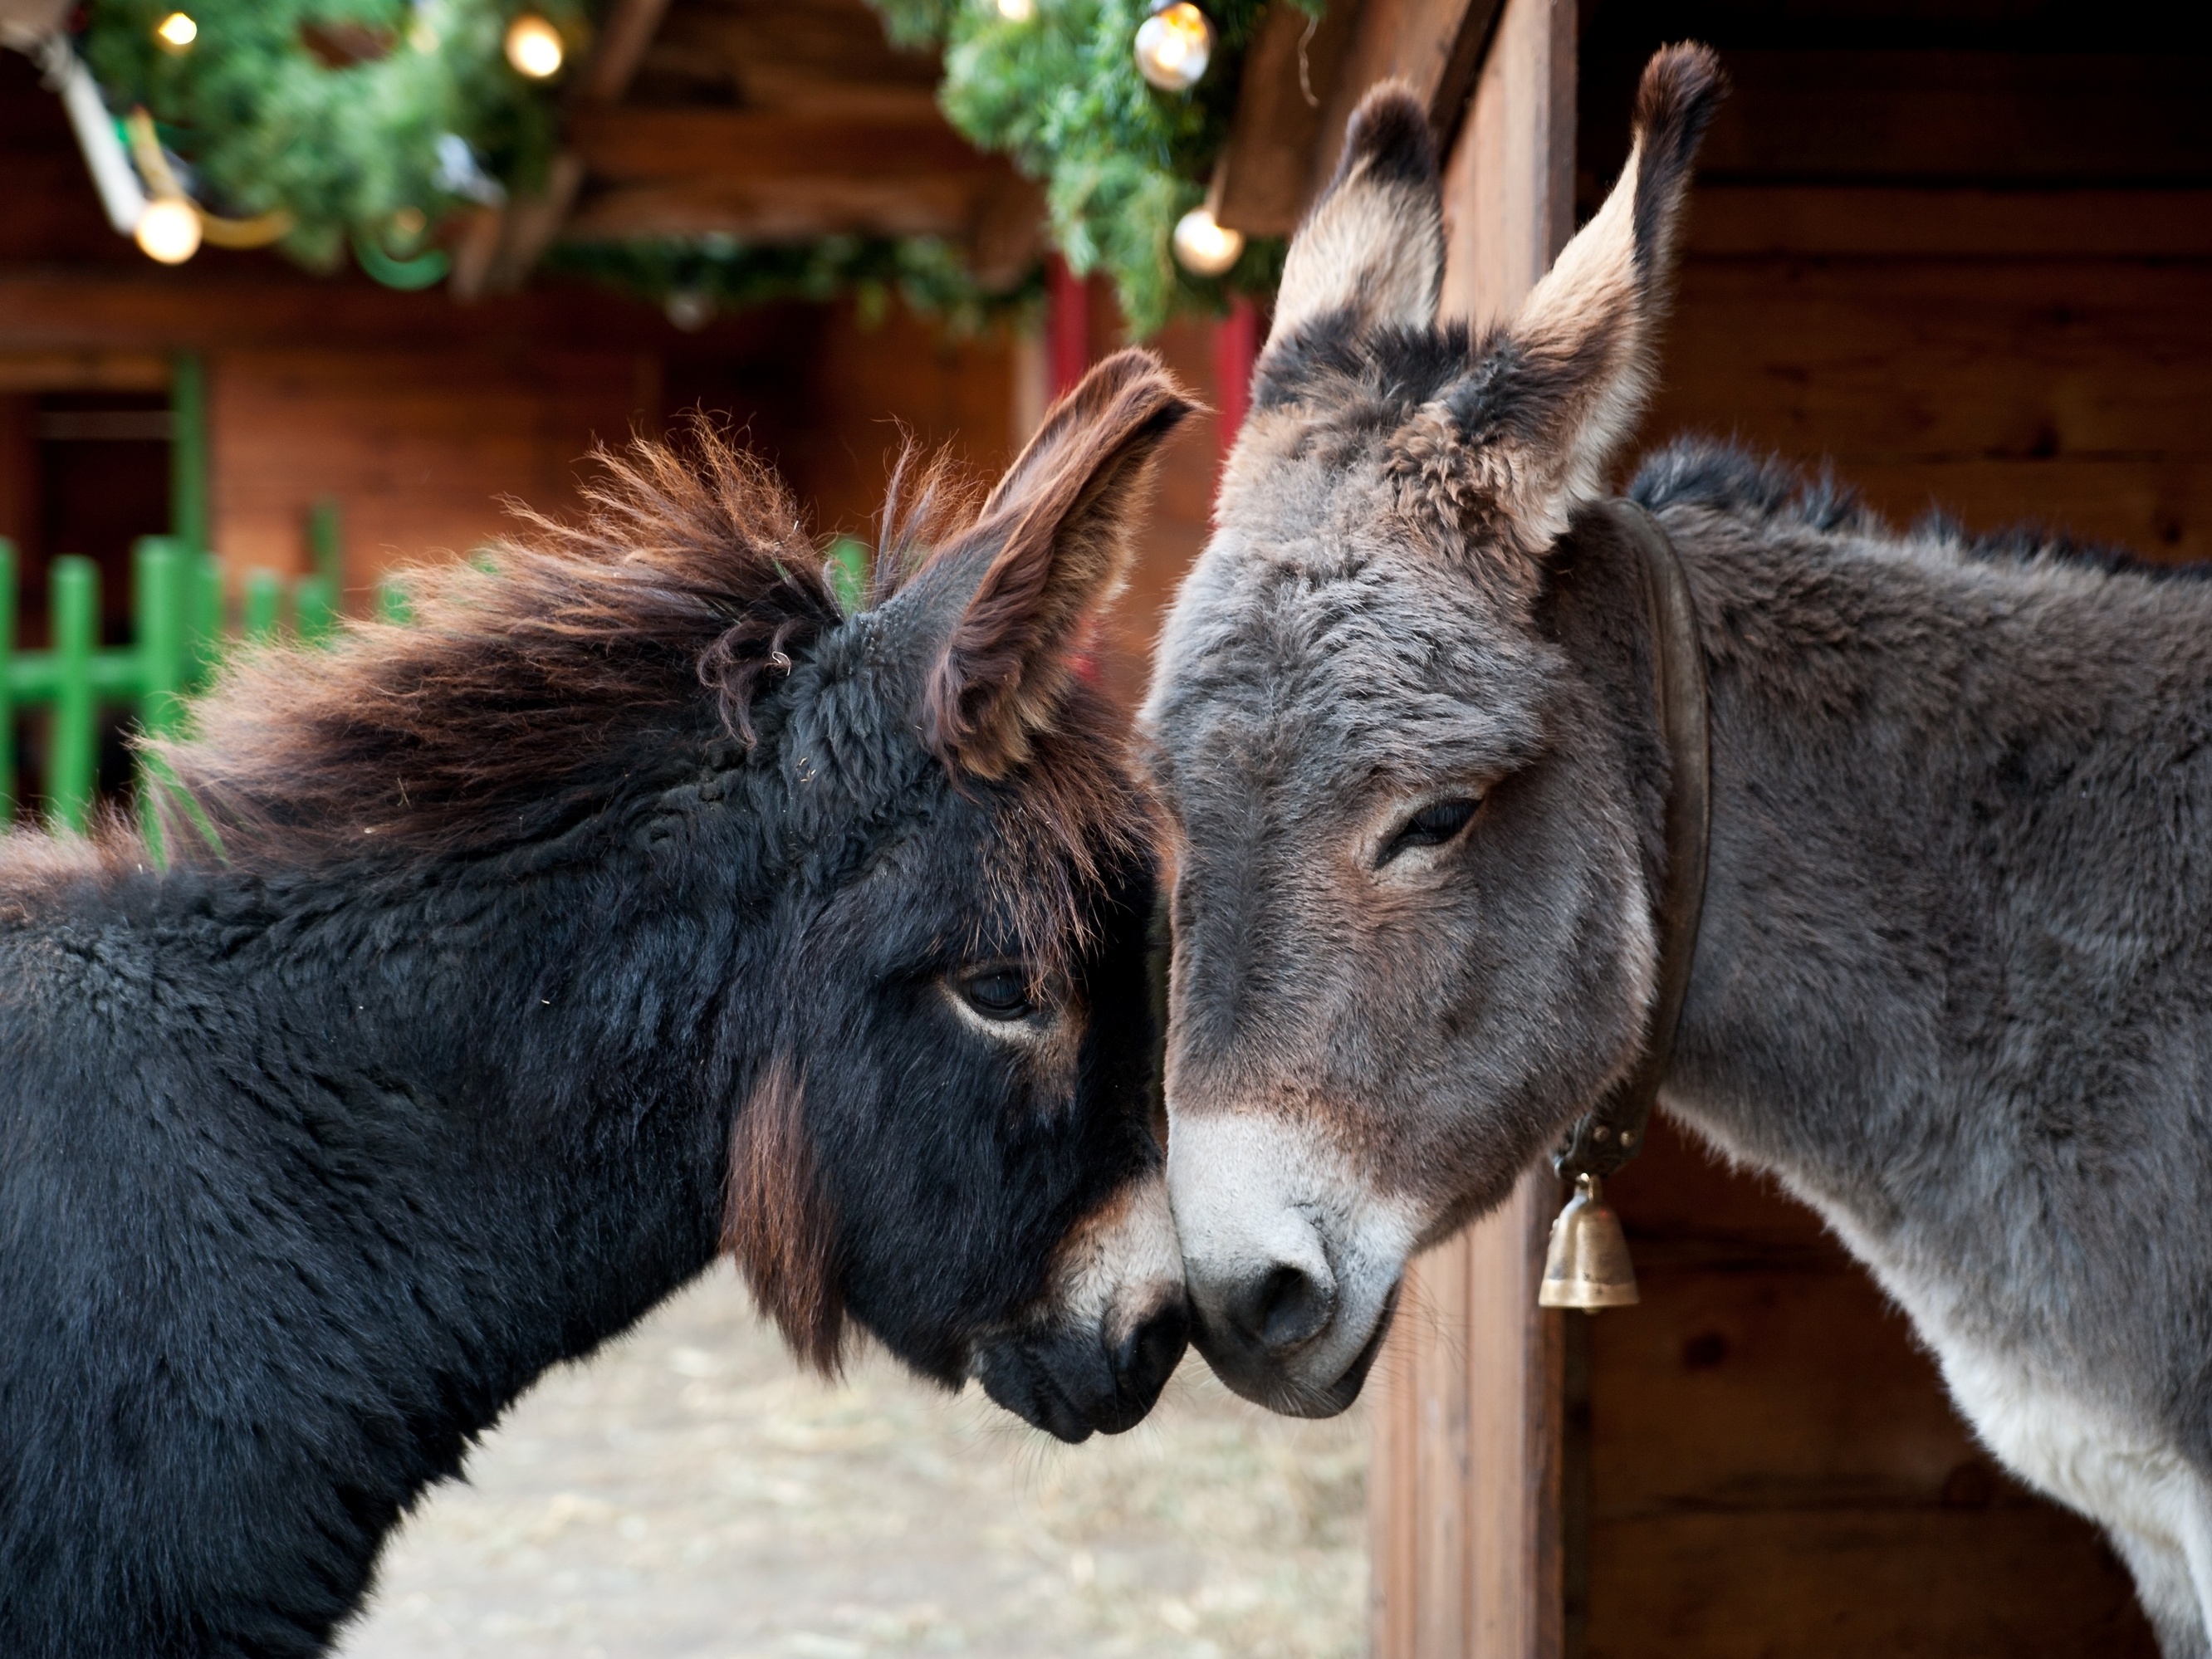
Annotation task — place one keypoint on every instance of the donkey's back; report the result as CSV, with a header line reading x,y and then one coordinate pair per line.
x,y
235,1336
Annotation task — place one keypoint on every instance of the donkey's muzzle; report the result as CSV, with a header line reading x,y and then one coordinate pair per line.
x,y
1074,1383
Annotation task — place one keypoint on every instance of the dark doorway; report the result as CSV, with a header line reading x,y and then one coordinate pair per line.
x,y
84,472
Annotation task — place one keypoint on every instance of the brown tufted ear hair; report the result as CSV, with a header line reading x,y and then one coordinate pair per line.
x,y
776,1220
1055,545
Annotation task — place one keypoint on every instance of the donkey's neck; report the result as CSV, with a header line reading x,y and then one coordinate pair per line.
x,y
1958,929
509,1094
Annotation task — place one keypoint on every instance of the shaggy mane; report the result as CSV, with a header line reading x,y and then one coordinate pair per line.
x,y
1724,477
526,687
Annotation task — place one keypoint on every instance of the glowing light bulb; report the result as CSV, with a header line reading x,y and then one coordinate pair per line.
x,y
169,230
176,32
1173,46
1205,246
534,46
1017,11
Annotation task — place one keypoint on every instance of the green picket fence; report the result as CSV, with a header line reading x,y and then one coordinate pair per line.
x,y
180,625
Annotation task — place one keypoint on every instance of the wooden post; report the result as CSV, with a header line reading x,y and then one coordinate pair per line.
x,y
72,746
1467,1501
1235,344
188,452
1067,326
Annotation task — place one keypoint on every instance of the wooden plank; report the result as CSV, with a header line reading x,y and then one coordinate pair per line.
x,y
1265,175
84,371
754,146
1433,46
1999,1583
625,31
1944,361
418,446
785,56
1464,1473
1860,222
520,233
1509,186
785,209
1468,1461
1515,1385
142,312
1847,116
1393,1551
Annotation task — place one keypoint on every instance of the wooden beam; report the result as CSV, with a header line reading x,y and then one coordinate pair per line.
x,y
1260,183
83,371
625,33
525,229
785,208
497,254
1283,144
122,324
1510,181
757,147
1468,1496
1433,46
1859,221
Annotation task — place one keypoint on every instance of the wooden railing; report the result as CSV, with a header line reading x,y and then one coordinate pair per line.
x,y
181,626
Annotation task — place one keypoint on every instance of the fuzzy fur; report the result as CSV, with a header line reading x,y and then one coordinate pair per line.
x,y
509,964
1953,982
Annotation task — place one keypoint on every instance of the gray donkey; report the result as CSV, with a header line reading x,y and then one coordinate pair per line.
x,y
1954,981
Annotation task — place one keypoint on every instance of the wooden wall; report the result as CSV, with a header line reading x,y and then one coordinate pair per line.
x,y
1971,268
1774,1467
415,446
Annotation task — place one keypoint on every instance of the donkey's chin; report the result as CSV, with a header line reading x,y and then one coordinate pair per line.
x,y
1076,1382
1112,1329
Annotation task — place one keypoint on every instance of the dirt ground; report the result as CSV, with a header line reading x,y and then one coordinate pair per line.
x,y
687,1495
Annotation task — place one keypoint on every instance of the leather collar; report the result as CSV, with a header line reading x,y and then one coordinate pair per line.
x,y
1604,1139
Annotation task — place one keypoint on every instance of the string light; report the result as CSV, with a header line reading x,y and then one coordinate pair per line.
x,y
169,230
1173,46
1205,246
176,32
534,46
1017,11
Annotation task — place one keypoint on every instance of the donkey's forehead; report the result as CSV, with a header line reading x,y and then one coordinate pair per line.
x,y
1344,654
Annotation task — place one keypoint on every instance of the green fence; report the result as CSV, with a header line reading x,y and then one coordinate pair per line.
x,y
180,624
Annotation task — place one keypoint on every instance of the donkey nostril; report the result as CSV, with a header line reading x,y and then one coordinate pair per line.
x,y
1286,1307
1148,1355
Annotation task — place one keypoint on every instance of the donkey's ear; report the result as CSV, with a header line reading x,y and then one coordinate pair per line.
x,y
1373,246
1570,375
1046,557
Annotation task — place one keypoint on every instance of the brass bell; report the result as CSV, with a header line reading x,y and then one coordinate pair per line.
x,y
1587,1265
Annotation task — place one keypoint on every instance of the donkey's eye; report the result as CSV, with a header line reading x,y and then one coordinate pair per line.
x,y
1432,826
998,993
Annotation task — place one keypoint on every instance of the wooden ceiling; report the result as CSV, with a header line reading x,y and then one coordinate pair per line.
x,y
771,120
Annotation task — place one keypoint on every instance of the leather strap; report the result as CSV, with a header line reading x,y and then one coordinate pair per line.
x,y
1604,1139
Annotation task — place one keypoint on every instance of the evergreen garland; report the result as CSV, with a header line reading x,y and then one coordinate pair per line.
x,y
344,114
695,276
1060,92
